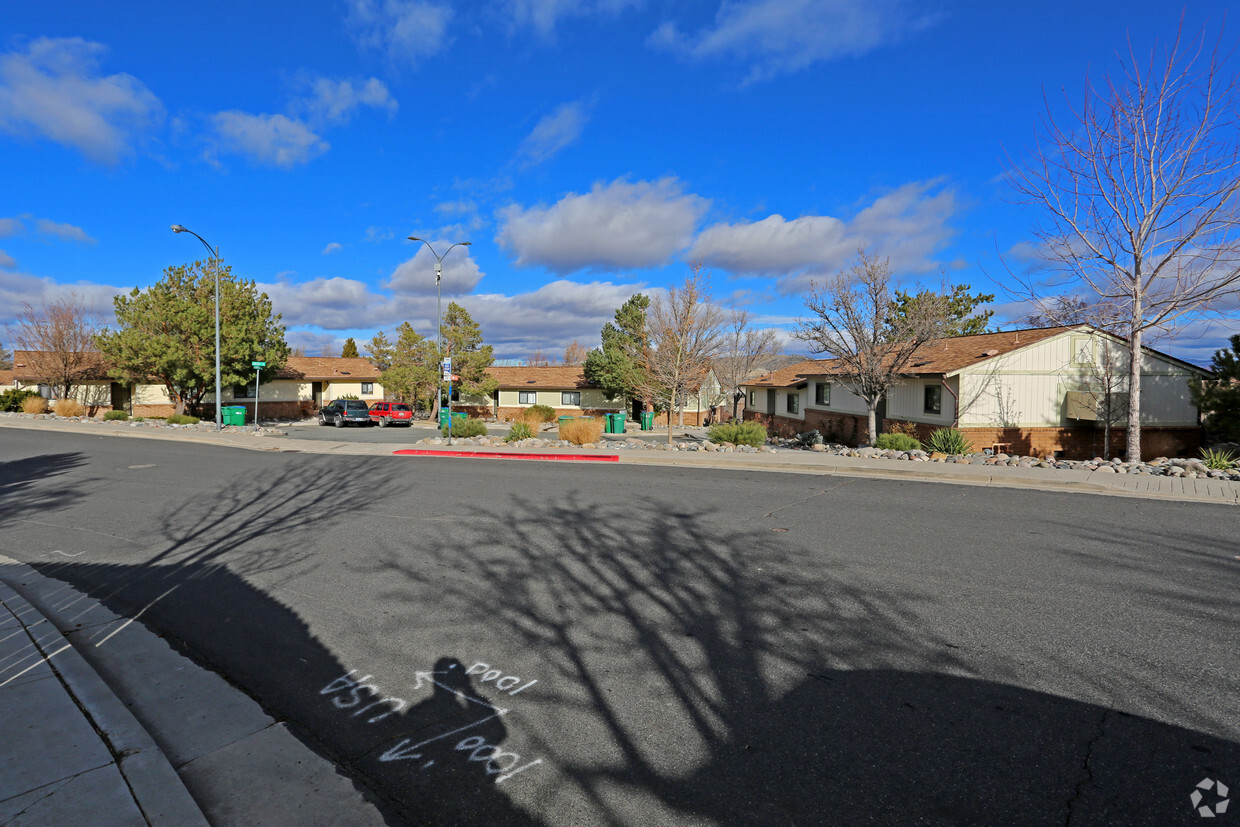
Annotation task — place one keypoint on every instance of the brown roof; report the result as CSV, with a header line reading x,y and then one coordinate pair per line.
x,y
328,367
934,359
6,377
297,367
25,366
546,378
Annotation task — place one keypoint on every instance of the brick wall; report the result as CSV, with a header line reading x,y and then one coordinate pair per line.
x,y
507,414
1082,442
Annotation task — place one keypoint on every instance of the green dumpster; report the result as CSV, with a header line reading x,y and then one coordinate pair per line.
x,y
233,415
647,420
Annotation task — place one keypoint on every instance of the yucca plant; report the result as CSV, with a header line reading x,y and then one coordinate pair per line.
x,y
1218,459
948,441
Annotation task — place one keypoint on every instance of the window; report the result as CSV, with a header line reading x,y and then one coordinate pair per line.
x,y
527,397
1083,350
243,391
570,398
368,387
934,399
822,393
753,399
794,403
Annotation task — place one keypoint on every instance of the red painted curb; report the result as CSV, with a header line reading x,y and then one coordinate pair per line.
x,y
505,455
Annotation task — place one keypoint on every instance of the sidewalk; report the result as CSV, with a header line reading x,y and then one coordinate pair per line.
x,y
794,462
104,724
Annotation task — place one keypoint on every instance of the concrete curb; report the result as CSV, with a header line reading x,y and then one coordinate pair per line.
x,y
154,784
419,452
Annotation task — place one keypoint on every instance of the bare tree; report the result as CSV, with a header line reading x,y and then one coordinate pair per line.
x,y
538,359
684,334
329,350
1139,190
1104,370
6,359
575,354
60,338
853,323
745,350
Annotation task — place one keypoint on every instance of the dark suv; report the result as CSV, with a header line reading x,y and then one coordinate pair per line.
x,y
341,412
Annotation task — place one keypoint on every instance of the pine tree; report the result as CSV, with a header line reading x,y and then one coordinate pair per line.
x,y
349,351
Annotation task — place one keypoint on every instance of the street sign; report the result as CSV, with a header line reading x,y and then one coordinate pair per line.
x,y
258,364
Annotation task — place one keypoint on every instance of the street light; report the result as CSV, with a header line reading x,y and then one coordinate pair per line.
x,y
438,327
215,258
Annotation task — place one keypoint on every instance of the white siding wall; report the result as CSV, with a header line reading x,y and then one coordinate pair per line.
x,y
590,398
907,400
842,400
781,402
1026,388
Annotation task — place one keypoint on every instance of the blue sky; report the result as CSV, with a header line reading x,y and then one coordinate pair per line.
x,y
587,148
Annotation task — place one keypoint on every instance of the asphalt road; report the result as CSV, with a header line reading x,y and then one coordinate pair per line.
x,y
572,644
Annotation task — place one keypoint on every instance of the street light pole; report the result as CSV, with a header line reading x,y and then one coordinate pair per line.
x,y
439,325
215,259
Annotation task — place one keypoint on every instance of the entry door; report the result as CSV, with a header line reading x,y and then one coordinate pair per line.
x,y
316,390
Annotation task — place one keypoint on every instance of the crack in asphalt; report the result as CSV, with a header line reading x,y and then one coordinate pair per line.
x,y
1085,765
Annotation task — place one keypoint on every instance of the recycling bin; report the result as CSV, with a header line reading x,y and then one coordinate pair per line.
x,y
233,415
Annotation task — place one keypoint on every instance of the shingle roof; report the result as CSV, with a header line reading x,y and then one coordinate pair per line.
x,y
6,377
25,367
547,378
328,367
297,367
936,358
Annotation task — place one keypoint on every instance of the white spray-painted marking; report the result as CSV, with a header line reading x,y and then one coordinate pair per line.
x,y
66,554
487,674
360,694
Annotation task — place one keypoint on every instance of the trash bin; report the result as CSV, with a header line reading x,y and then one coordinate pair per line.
x,y
621,419
647,420
233,415
608,424
561,420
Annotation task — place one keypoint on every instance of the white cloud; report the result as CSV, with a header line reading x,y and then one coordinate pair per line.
x,y
7,262
20,289
10,227
780,36
553,133
331,101
333,247
405,31
334,304
417,275
268,139
65,232
614,225
907,225
292,139
375,234
54,90
462,207
543,15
